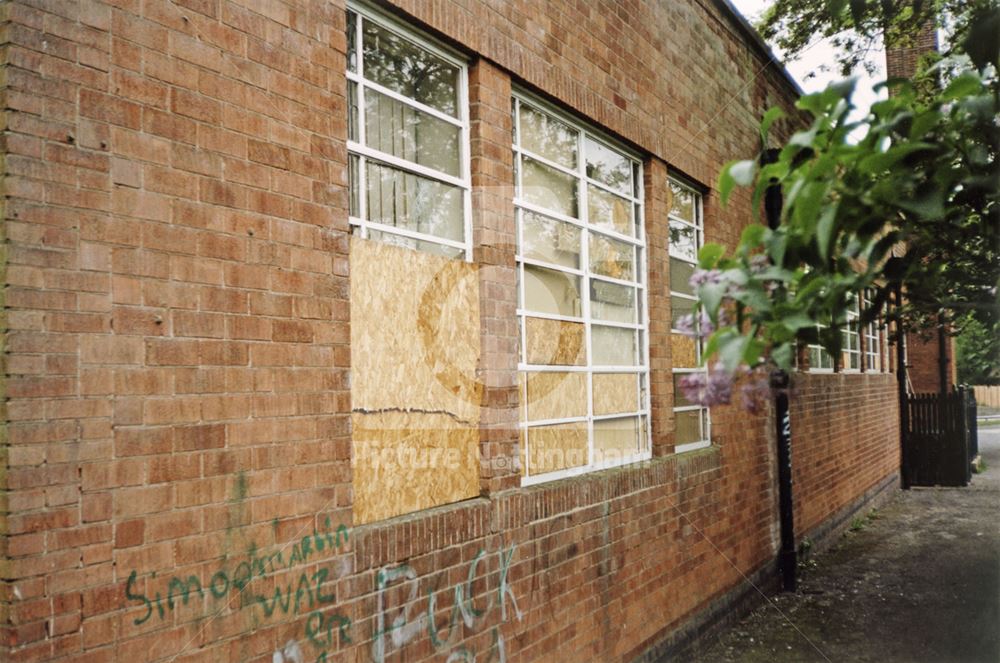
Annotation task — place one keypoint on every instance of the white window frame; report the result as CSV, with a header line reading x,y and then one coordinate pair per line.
x,y
699,228
872,360
361,150
851,336
641,369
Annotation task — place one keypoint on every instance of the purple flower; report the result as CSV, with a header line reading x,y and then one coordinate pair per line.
x,y
755,393
758,263
703,329
702,277
708,388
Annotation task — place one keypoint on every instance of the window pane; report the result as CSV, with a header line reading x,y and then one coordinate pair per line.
x,y
550,240
687,427
615,437
682,203
548,137
554,342
680,276
353,184
608,167
679,307
405,200
615,393
683,351
679,399
683,241
555,395
606,210
612,346
549,188
352,38
549,291
558,447
403,131
404,67
352,111
610,301
417,244
612,258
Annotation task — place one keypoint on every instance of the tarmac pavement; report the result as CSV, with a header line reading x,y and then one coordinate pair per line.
x,y
919,582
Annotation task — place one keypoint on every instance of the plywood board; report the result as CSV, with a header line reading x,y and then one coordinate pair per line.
x,y
408,461
615,392
555,342
555,395
558,447
415,352
683,351
414,331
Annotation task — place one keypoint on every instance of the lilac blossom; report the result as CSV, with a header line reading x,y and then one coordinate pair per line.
x,y
704,327
702,277
758,263
755,392
708,388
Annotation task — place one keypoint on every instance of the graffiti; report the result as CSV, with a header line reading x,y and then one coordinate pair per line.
x,y
395,627
308,591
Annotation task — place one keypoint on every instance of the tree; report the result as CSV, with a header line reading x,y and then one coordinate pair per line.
x,y
978,353
924,175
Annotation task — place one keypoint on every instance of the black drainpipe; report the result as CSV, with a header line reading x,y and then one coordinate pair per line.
x,y
943,381
780,381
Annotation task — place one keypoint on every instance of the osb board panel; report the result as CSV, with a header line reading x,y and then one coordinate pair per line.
x,y
557,447
683,351
414,331
555,342
414,354
555,395
615,392
408,461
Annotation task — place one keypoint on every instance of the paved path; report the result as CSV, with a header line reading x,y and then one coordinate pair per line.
x,y
918,583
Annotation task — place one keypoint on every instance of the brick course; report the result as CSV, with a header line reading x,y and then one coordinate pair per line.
x,y
177,374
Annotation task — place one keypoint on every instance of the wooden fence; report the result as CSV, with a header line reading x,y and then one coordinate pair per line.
x,y
988,396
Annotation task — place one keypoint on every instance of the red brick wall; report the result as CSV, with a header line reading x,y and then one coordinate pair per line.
x,y
845,441
177,369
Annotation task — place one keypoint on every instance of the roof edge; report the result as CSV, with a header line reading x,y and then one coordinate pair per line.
x,y
762,46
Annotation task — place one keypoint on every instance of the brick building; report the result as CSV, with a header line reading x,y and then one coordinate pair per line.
x,y
344,333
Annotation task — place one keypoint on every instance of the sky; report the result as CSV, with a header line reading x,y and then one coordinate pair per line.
x,y
819,54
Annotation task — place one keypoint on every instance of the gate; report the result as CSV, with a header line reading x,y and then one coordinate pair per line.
x,y
939,439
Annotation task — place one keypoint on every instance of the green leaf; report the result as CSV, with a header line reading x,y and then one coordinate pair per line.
x,y
782,356
770,117
732,348
711,295
858,8
797,320
743,171
777,245
709,255
982,44
753,235
824,230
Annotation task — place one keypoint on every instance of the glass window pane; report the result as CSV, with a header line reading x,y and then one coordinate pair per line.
x,y
352,38
352,111
687,427
405,200
683,241
682,203
549,291
549,188
608,166
403,131
353,184
679,399
680,276
550,240
408,69
416,244
615,437
679,307
548,137
610,301
609,257
606,210
612,346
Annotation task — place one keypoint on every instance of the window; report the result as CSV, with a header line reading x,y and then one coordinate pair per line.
x,y
820,361
873,347
692,424
407,138
581,285
851,352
